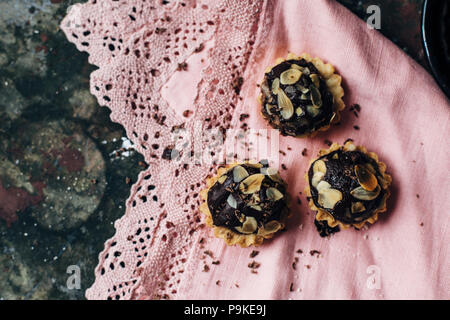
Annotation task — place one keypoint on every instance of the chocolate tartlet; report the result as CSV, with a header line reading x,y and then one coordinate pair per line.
x,y
245,203
347,186
301,95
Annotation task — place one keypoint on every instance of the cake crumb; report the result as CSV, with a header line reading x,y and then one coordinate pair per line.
x,y
304,152
313,252
254,265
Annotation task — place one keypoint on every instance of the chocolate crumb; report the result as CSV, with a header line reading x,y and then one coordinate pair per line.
x,y
216,262
313,252
167,153
160,30
421,224
199,48
209,253
205,268
299,201
254,265
254,271
243,116
348,140
283,166
291,287
308,266
182,66
218,283
236,285
254,253
324,229
294,264
417,196
328,142
304,152
299,251
356,127
187,113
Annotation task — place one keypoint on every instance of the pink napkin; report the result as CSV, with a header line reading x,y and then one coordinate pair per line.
x,y
404,118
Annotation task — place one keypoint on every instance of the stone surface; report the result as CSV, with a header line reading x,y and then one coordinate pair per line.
x,y
62,166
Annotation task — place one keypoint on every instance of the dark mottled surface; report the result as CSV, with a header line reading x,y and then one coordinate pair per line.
x,y
44,92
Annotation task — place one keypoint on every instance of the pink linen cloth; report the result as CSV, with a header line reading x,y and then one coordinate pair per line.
x,y
404,118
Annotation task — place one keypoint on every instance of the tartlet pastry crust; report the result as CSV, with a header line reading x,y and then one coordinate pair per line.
x,y
231,237
332,80
323,215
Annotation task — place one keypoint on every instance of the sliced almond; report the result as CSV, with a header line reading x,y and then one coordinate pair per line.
x,y
254,164
322,185
275,85
222,179
299,112
272,227
320,166
285,104
306,71
290,76
366,179
329,197
265,89
256,207
274,194
315,79
268,107
296,66
358,207
249,226
273,174
362,194
313,111
317,177
232,201
239,174
301,88
316,97
251,184
305,96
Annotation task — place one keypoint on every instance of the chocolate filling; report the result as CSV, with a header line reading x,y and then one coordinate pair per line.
x,y
309,95
225,215
340,174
